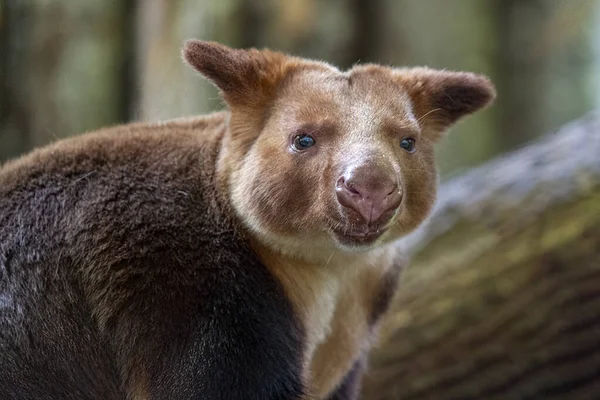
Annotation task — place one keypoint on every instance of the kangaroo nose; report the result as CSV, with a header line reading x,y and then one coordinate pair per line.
x,y
374,195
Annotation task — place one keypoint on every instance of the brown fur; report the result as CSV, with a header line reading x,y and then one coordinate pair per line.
x,y
283,202
286,200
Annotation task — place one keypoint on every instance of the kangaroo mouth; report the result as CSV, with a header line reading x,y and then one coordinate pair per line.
x,y
356,237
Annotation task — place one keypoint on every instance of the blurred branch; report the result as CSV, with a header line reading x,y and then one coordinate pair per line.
x,y
521,68
368,19
502,298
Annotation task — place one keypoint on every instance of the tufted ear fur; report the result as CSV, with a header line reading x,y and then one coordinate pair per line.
x,y
244,77
441,98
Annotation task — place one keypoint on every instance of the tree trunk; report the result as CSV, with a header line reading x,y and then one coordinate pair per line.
x,y
502,298
58,58
167,87
538,59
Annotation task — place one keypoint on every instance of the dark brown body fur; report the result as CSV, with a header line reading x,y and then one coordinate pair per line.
x,y
118,259
169,261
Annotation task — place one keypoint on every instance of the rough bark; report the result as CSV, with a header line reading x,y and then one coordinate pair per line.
x,y
502,298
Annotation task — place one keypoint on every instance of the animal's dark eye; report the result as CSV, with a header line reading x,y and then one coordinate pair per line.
x,y
408,144
303,142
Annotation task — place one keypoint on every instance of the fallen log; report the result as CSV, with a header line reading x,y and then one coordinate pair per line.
x,y
502,297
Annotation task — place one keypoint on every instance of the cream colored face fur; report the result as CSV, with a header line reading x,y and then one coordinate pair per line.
x,y
289,199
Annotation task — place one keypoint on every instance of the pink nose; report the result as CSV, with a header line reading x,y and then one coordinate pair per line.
x,y
373,194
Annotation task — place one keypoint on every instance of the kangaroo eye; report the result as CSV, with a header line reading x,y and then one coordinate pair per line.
x,y
408,144
303,142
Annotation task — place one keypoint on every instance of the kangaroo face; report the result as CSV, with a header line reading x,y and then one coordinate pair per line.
x,y
318,159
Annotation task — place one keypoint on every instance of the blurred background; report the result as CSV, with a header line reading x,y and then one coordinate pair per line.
x,y
71,66
502,297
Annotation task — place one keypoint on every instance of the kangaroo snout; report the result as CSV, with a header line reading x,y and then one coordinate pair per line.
x,y
370,190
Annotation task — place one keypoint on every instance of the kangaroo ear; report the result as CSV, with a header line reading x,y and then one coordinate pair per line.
x,y
441,98
244,77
